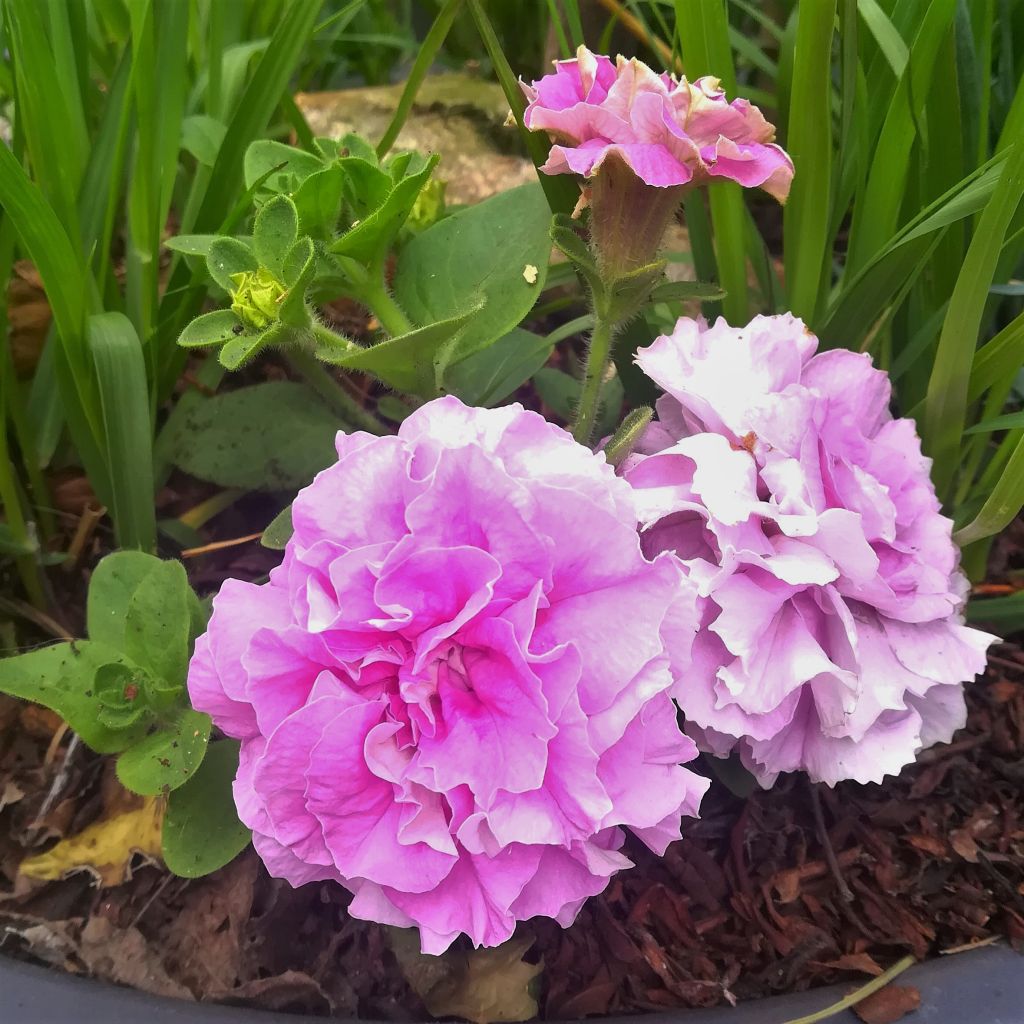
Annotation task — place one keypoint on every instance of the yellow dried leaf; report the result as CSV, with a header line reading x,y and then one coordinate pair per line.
x,y
105,849
487,985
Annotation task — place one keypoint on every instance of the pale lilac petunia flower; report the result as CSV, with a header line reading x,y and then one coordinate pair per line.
x,y
452,695
831,637
669,132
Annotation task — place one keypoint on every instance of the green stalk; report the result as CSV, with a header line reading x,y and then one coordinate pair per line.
x,y
376,296
806,215
599,353
427,52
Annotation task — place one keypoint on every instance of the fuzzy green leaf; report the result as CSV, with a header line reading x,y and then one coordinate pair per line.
x,y
201,830
497,250
61,678
168,758
273,436
214,328
274,233
228,256
158,623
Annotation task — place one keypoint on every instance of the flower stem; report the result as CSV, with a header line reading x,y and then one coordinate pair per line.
x,y
374,293
599,353
333,393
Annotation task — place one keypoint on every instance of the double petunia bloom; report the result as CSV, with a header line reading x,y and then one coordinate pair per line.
x,y
830,635
669,132
453,694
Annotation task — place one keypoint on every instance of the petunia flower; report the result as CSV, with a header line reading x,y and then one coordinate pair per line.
x,y
831,637
452,695
668,132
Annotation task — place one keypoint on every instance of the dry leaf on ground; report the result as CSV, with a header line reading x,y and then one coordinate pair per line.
x,y
129,825
124,956
488,985
888,1004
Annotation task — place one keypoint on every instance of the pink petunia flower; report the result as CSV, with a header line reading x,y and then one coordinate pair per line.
x,y
669,132
452,695
831,638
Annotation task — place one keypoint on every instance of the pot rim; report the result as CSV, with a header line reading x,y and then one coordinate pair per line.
x,y
984,986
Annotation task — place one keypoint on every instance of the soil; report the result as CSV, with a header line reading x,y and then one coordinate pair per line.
x,y
768,892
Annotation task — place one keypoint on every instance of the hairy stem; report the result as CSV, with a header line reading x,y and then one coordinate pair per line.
x,y
599,353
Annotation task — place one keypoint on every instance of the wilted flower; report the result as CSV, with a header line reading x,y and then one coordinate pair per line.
x,y
453,692
831,639
668,132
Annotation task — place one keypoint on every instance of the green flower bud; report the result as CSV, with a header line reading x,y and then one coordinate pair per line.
x,y
256,298
429,205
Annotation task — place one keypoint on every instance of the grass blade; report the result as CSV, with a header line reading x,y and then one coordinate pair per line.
x,y
946,402
128,433
809,143
703,28
424,58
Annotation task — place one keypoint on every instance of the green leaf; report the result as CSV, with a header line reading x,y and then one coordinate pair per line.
x,y
201,831
946,401
568,241
61,678
490,376
191,245
627,434
211,329
274,436
290,166
168,758
1009,421
279,531
127,428
202,136
111,587
809,140
158,623
413,362
374,234
684,291
240,350
122,693
229,256
275,231
1003,613
299,266
481,251
318,201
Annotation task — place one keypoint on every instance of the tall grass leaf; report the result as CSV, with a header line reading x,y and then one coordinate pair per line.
x,y
890,42
703,29
121,375
1002,505
49,129
428,51
255,108
998,359
876,215
809,143
560,190
946,401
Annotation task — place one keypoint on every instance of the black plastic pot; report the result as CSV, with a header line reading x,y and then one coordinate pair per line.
x,y
982,987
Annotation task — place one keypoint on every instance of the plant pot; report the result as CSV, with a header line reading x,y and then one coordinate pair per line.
x,y
982,987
